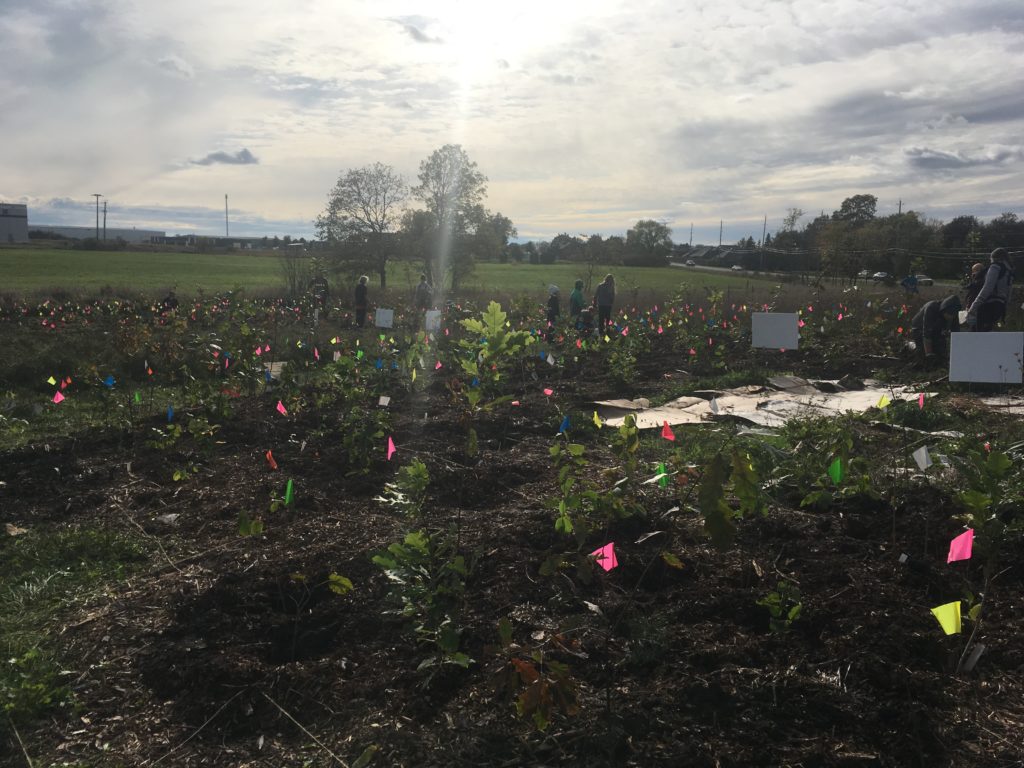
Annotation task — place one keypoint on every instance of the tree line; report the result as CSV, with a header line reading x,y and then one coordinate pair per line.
x,y
442,226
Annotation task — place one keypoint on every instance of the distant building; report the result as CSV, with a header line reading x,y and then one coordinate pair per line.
x,y
13,223
81,233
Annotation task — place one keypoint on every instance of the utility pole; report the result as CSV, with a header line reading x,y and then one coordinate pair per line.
x,y
226,215
719,233
900,211
104,221
764,229
97,195
691,235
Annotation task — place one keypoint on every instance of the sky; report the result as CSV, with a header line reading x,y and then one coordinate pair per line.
x,y
584,116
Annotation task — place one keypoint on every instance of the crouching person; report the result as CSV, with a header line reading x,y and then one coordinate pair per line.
x,y
932,324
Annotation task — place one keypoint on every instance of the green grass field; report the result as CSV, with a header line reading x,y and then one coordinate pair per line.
x,y
39,271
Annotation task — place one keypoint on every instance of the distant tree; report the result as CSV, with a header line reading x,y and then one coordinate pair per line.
x,y
956,232
363,212
793,215
614,250
491,234
451,188
565,247
516,252
648,243
1005,230
857,210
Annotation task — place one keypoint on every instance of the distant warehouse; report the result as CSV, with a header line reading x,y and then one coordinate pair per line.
x,y
81,233
13,223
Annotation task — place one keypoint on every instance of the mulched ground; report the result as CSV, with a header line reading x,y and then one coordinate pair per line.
x,y
215,655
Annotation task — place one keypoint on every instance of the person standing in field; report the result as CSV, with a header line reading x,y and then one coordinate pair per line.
x,y
975,284
553,309
989,306
576,302
424,295
604,298
361,301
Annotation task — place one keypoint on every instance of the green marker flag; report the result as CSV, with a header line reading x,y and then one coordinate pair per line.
x,y
137,398
835,470
663,480
289,494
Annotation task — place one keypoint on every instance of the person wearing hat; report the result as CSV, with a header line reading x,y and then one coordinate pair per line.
x,y
989,306
576,302
931,324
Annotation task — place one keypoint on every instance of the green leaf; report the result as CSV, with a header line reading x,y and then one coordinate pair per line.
x,y
717,514
505,632
339,585
364,759
975,613
671,560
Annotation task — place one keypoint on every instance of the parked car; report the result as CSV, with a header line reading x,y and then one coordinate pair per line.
x,y
691,263
737,268
924,280
881,276
864,274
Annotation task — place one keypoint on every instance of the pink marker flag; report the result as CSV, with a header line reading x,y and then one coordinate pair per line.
x,y
549,392
281,409
58,397
666,432
391,448
266,348
920,401
605,556
960,547
259,351
660,329
515,402
438,366
316,353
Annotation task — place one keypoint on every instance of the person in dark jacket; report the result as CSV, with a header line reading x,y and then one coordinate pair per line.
x,y
989,306
604,298
975,284
554,310
931,324
361,301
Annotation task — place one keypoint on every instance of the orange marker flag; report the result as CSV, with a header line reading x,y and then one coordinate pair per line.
x,y
270,460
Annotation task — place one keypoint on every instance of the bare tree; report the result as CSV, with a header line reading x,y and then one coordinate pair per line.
x,y
363,211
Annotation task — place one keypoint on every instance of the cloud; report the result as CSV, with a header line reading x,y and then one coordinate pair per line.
x,y
176,65
928,159
241,157
420,36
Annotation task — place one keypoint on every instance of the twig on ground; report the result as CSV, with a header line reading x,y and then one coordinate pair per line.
x,y
20,742
200,728
303,729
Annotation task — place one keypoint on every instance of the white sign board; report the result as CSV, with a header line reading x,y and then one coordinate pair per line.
x,y
994,358
775,330
385,318
433,320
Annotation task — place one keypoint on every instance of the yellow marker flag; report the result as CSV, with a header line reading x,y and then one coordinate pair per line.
x,y
949,617
597,420
51,381
606,338
414,373
884,401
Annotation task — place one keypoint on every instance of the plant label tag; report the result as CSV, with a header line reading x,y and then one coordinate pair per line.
x,y
384,318
994,358
922,457
384,400
903,558
775,330
432,321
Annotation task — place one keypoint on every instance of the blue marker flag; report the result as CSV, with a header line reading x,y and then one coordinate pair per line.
x,y
170,413
379,365
565,425
109,381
